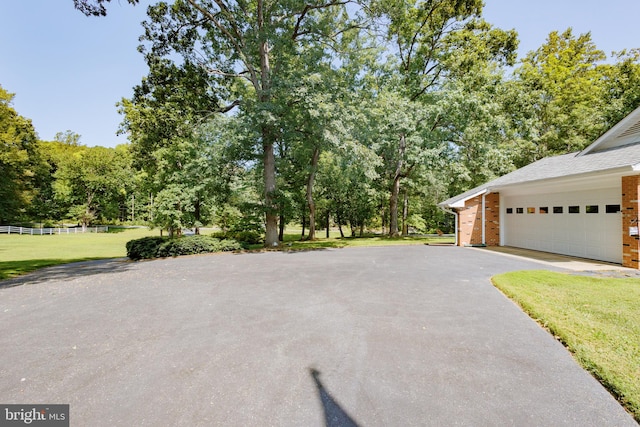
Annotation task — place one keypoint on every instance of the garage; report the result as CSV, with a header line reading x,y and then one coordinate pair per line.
x,y
580,223
583,204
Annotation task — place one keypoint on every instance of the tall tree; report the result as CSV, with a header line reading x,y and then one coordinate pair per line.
x,y
622,85
169,105
433,42
346,178
54,153
243,47
557,96
91,180
19,160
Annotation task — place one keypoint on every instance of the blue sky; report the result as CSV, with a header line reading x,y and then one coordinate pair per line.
x,y
68,70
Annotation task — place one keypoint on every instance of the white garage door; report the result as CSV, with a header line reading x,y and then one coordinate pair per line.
x,y
582,223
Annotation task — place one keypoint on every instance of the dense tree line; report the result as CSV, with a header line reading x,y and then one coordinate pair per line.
x,y
363,115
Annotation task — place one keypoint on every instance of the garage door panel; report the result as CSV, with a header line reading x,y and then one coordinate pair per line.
x,y
589,235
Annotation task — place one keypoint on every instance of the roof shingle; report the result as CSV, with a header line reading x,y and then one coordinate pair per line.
x,y
565,165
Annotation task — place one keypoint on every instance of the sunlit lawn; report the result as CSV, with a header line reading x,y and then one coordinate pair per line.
x,y
598,319
294,241
21,254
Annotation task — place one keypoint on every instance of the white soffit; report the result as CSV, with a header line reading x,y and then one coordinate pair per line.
x,y
461,203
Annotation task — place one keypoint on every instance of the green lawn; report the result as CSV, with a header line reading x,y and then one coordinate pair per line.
x,y
598,319
21,254
292,241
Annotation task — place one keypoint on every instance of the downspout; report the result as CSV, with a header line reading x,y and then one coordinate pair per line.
x,y
455,223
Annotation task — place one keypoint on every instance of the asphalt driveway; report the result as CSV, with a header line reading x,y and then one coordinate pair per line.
x,y
392,336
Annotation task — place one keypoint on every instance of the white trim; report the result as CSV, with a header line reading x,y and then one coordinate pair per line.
x,y
455,223
589,180
608,139
461,203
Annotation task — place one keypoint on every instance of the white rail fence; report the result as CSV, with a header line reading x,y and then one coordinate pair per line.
x,y
10,229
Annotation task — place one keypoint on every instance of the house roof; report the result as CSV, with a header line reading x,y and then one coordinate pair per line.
x,y
625,132
626,157
618,149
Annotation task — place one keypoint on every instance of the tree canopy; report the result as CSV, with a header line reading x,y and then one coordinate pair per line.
x,y
18,159
361,114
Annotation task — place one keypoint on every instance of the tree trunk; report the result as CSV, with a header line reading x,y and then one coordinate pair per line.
x,y
271,217
383,215
281,224
312,204
197,214
328,222
304,223
405,213
151,207
339,221
268,138
395,190
393,207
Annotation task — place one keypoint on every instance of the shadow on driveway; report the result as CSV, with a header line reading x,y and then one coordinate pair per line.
x,y
334,415
68,271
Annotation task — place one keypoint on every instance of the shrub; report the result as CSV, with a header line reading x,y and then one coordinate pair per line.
x,y
144,248
158,247
227,245
248,237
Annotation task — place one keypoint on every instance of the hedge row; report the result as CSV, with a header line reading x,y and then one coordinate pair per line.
x,y
159,247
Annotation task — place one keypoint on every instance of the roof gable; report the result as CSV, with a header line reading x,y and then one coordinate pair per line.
x,y
626,132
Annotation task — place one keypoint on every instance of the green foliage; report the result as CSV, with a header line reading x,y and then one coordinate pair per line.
x,y
346,184
19,161
95,179
247,237
190,245
558,95
95,7
82,213
245,57
158,247
164,110
327,116
621,86
144,248
173,208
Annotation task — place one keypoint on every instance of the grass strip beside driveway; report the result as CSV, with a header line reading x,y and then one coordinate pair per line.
x,y
598,319
20,254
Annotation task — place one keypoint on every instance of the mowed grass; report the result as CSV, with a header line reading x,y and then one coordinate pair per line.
x,y
20,254
293,241
598,319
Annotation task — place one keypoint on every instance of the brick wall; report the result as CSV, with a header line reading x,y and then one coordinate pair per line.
x,y
630,211
492,219
470,221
